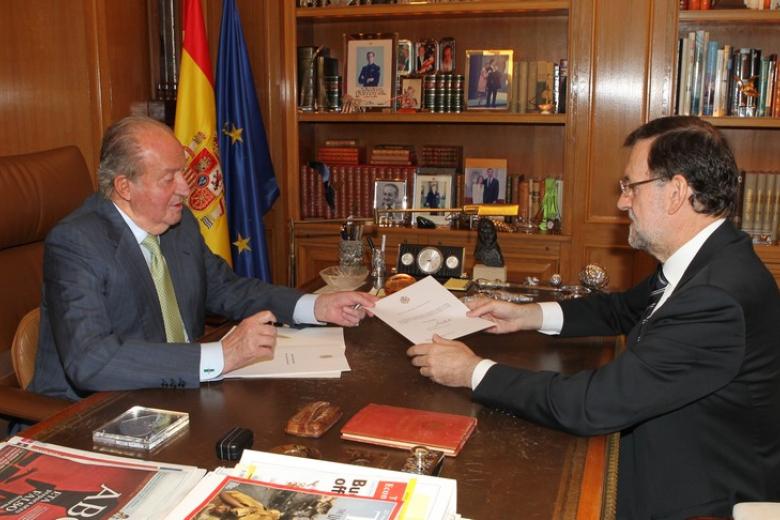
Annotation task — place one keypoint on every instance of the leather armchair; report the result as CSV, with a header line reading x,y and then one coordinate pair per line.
x,y
38,190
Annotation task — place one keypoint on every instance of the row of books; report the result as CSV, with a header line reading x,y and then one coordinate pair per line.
x,y
43,480
353,189
531,193
349,152
540,86
720,80
760,214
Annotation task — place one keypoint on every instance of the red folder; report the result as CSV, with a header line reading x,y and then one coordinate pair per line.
x,y
398,427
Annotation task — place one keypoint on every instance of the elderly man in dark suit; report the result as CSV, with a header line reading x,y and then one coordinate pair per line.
x,y
696,393
128,281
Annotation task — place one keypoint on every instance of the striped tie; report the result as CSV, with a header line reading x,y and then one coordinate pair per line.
x,y
174,328
658,285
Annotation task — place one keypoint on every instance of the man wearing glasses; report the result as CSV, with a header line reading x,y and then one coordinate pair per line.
x,y
696,393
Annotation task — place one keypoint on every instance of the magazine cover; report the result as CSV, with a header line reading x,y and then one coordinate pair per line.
x,y
232,497
425,497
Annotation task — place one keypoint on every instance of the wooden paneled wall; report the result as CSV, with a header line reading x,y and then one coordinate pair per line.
x,y
609,107
68,68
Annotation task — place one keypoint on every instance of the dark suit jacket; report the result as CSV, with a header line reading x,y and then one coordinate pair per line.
x,y
697,399
101,324
491,191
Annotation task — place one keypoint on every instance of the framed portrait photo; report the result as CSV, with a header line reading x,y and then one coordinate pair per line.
x,y
427,56
485,181
488,79
433,191
370,71
390,194
404,61
411,94
447,55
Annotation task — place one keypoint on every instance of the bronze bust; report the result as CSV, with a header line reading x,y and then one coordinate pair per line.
x,y
488,251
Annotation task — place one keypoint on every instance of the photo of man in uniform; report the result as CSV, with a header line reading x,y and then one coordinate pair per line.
x,y
369,74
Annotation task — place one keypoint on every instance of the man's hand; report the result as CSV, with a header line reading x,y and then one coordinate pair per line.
x,y
343,308
252,340
445,361
508,317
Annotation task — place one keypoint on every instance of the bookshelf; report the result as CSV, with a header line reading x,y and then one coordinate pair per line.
x,y
533,144
754,140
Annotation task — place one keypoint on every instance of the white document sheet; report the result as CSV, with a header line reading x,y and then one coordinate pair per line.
x,y
426,308
314,352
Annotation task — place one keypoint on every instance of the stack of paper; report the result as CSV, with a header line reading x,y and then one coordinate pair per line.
x,y
314,352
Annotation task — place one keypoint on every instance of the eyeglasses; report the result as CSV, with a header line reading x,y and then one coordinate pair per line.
x,y
627,188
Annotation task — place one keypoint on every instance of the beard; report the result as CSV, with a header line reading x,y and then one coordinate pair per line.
x,y
636,238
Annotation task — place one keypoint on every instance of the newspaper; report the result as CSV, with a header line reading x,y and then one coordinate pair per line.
x,y
45,481
425,497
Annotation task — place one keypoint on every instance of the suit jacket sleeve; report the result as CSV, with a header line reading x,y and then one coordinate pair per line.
x,y
692,346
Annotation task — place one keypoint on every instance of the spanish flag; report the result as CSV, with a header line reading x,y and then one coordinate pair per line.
x,y
196,129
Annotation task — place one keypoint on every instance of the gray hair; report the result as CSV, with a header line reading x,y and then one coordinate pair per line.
x,y
121,152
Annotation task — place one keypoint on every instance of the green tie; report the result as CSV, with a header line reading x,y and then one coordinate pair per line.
x,y
174,328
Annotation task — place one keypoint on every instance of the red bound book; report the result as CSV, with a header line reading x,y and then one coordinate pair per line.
x,y
305,193
405,428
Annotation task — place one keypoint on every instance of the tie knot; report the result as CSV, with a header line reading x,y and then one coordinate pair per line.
x,y
660,280
152,244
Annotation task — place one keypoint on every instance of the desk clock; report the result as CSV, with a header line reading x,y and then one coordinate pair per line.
x,y
424,260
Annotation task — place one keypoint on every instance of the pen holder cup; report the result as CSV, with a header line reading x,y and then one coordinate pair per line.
x,y
351,256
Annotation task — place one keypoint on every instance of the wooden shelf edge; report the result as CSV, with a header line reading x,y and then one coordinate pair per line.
x,y
474,117
322,228
446,9
743,122
731,16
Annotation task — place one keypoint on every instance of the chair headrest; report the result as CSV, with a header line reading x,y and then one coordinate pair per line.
x,y
39,189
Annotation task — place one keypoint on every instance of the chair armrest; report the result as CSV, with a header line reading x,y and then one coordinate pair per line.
x,y
29,406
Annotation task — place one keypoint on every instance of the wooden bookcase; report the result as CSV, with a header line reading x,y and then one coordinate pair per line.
x,y
755,140
533,144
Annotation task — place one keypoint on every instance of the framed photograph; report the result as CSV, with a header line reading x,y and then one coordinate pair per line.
x,y
427,52
447,55
485,181
411,94
390,194
488,79
370,70
433,191
404,61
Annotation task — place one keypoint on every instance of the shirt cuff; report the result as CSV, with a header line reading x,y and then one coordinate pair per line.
x,y
479,372
211,361
552,318
304,310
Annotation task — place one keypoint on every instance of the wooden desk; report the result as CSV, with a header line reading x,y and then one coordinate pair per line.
x,y
510,468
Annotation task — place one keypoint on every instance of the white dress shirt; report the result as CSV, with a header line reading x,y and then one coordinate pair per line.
x,y
673,269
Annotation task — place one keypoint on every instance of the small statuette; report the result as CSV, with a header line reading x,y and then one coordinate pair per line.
x,y
556,280
594,277
531,281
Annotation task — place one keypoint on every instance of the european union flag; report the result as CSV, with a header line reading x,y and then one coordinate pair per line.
x,y
250,184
